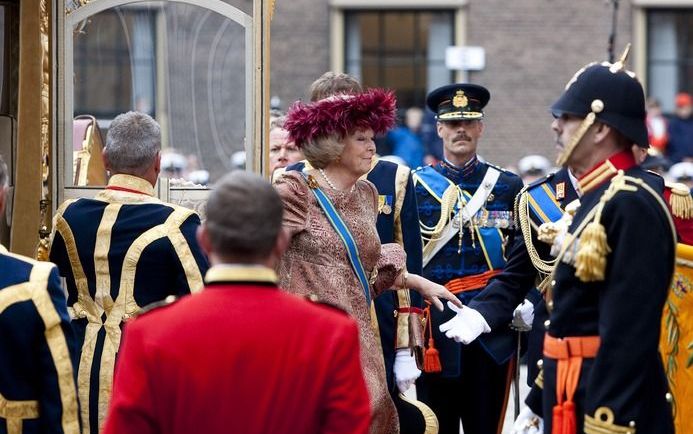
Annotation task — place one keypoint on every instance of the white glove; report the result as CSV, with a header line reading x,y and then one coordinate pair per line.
x,y
405,369
528,423
466,326
523,316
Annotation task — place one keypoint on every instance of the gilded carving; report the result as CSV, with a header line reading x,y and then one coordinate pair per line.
x,y
44,232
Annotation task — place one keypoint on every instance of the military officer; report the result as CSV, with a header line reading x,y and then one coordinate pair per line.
x,y
280,364
614,262
466,219
528,267
37,387
119,251
398,312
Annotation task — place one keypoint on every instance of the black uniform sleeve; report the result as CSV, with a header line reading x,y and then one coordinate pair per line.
x,y
187,277
411,237
630,303
501,296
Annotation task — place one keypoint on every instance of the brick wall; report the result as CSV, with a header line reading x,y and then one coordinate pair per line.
x,y
533,47
299,47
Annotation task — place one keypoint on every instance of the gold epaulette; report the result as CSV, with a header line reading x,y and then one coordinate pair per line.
x,y
680,201
157,304
603,423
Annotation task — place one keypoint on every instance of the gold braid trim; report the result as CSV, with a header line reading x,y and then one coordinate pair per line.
x,y
447,207
430,418
680,201
539,381
522,213
603,423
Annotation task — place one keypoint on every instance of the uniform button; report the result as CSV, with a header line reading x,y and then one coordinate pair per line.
x,y
547,323
669,397
540,363
553,283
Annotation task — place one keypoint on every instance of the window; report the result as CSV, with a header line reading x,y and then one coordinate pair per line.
x,y
9,57
115,63
670,54
399,49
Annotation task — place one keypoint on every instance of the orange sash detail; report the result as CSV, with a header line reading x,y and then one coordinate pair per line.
x,y
469,283
569,353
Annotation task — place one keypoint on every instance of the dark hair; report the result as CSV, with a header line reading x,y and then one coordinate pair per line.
x,y
244,216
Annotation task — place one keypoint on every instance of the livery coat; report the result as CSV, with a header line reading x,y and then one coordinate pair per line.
x,y
119,251
37,386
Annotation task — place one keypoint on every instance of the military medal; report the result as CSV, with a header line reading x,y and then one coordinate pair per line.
x,y
560,191
385,204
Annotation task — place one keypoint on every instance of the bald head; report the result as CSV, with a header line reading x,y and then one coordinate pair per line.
x,y
244,219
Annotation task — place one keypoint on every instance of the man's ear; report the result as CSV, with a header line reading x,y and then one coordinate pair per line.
x,y
439,127
601,132
157,163
203,240
104,158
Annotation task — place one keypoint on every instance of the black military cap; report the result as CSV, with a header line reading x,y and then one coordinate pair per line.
x,y
615,96
458,102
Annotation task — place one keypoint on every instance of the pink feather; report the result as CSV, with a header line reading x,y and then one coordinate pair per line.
x,y
341,115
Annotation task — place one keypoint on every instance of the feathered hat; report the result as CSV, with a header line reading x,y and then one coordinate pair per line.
x,y
341,115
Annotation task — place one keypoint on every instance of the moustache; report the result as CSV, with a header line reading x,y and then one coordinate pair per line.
x,y
462,137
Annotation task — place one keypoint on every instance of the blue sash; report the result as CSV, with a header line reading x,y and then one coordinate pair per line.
x,y
543,203
343,232
433,181
491,240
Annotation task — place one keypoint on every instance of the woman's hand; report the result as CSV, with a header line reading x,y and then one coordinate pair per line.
x,y
432,292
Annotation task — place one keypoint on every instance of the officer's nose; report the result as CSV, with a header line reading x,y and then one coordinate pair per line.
x,y
555,126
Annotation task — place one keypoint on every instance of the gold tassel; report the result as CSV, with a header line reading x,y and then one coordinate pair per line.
x,y
680,201
590,261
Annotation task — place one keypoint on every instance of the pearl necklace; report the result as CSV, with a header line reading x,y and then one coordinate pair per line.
x,y
329,182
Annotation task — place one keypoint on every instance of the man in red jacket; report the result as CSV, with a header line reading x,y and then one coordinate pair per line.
x,y
240,356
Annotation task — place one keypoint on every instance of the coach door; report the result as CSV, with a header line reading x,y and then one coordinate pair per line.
x,y
197,66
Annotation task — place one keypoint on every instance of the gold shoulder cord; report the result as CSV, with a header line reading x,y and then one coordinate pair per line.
x,y
522,212
447,207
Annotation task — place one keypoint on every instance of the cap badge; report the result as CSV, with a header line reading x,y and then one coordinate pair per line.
x,y
459,100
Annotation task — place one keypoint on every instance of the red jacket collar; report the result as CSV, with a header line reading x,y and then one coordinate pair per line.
x,y
606,170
